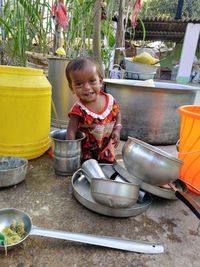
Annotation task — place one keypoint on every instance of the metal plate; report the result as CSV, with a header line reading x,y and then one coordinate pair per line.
x,y
155,190
81,191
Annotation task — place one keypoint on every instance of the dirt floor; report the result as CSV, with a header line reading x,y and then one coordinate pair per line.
x,y
49,200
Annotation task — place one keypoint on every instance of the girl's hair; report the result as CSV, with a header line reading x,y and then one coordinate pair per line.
x,y
79,64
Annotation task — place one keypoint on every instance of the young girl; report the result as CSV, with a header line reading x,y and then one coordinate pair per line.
x,y
96,113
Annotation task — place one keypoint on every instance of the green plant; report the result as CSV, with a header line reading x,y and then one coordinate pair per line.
x,y
24,27
28,25
77,39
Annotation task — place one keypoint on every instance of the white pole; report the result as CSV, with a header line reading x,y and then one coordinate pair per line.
x,y
188,52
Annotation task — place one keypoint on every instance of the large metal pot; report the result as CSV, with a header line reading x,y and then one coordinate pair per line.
x,y
150,164
149,113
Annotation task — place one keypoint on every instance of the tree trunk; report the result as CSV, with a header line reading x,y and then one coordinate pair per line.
x,y
97,32
120,42
57,35
2,33
57,38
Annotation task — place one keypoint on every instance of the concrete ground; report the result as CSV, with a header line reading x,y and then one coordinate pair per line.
x,y
48,199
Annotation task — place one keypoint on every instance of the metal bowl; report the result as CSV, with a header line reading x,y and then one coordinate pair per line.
x,y
114,194
150,164
12,170
119,166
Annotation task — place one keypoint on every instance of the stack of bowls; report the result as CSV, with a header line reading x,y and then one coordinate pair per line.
x,y
150,167
110,193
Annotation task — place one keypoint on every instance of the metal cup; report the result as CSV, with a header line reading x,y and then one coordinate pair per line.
x,y
92,169
66,153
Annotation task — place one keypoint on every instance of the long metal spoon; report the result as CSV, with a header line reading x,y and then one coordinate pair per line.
x,y
10,214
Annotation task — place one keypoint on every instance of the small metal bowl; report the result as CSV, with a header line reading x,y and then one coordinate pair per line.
x,y
12,170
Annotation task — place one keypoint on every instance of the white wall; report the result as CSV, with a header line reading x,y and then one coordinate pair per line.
x,y
197,99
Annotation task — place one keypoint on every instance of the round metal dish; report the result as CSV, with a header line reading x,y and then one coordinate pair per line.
x,y
81,191
12,170
119,166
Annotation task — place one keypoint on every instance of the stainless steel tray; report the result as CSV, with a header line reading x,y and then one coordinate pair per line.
x,y
155,190
81,191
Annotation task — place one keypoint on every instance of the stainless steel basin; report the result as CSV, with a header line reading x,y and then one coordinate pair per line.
x,y
149,113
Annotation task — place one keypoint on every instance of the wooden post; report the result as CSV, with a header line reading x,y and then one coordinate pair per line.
x,y
97,32
179,9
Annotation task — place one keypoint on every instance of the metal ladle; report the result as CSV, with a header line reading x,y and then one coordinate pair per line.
x,y
8,215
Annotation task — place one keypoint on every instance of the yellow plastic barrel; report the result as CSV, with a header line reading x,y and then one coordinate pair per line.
x,y
189,146
25,108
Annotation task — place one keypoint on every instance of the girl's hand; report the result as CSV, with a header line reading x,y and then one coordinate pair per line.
x,y
72,127
115,137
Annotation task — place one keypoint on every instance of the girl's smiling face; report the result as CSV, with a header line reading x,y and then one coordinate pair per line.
x,y
86,83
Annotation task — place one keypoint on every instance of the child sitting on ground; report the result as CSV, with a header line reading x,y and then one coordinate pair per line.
x,y
96,113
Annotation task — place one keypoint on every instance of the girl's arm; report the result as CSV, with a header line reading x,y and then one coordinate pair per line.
x,y
72,127
118,121
116,131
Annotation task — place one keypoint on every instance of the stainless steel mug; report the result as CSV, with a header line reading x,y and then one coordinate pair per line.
x,y
92,169
66,153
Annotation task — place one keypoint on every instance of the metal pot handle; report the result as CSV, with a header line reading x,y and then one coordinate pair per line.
x,y
185,153
177,145
187,200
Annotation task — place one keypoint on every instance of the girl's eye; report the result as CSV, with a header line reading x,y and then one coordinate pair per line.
x,y
78,84
93,81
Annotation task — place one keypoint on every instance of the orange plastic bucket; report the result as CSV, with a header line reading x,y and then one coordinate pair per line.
x,y
189,146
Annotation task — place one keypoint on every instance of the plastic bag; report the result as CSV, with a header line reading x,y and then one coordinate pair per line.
x,y
145,58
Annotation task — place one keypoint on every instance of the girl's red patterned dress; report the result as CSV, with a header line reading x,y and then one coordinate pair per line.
x,y
98,128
